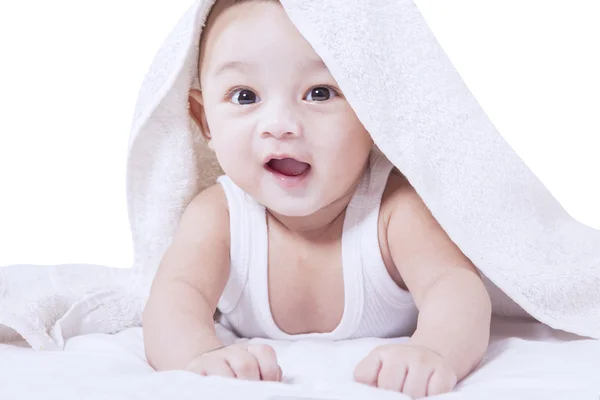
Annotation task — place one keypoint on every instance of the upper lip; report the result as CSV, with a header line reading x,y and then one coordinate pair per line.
x,y
281,156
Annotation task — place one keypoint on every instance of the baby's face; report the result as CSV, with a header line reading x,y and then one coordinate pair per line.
x,y
275,117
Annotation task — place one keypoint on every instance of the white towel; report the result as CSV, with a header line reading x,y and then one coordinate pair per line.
x,y
406,92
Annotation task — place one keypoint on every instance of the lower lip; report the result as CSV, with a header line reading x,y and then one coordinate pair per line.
x,y
289,181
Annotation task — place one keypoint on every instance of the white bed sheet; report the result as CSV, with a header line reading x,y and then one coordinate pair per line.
x,y
525,360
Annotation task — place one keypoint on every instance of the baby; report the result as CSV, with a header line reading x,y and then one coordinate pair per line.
x,y
311,232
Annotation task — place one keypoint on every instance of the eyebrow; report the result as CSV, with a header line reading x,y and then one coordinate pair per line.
x,y
242,66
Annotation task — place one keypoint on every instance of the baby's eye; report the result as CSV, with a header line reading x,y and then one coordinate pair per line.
x,y
320,93
244,96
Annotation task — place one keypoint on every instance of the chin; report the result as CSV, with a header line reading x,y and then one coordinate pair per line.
x,y
295,208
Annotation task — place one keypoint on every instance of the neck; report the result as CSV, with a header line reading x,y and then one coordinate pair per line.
x,y
323,224
316,226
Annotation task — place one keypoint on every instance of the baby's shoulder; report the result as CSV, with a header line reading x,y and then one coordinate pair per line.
x,y
401,204
403,209
398,198
212,198
208,209
398,193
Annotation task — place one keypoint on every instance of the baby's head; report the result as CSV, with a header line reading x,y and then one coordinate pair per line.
x,y
273,114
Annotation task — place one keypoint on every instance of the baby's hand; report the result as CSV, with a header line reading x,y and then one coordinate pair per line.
x,y
414,370
243,361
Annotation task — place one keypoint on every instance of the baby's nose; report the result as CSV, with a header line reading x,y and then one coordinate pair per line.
x,y
281,130
280,123
279,134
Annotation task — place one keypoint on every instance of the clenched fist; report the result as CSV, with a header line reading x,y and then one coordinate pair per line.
x,y
410,369
242,361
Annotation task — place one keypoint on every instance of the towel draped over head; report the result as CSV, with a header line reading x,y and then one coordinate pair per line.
x,y
422,116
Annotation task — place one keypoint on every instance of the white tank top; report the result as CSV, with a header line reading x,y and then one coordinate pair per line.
x,y
375,306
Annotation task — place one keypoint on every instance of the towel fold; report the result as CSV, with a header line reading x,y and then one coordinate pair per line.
x,y
420,113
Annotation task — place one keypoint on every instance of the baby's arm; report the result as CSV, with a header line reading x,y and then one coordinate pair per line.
x,y
453,326
178,321
454,305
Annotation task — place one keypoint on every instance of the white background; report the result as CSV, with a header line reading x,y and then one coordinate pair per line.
x,y
70,71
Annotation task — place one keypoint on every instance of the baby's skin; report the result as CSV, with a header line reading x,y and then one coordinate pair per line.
x,y
282,130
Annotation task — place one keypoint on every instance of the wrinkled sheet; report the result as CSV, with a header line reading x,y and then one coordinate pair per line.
x,y
525,360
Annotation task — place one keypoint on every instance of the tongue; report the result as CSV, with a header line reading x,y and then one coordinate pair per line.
x,y
289,166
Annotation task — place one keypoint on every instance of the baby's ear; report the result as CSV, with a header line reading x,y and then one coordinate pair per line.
x,y
196,109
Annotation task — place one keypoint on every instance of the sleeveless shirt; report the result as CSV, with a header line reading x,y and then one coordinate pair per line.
x,y
374,305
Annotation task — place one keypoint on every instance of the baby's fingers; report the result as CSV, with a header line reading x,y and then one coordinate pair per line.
x,y
392,376
216,368
367,371
442,381
417,379
244,365
267,362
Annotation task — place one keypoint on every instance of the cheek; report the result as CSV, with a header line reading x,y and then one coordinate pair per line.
x,y
230,150
345,139
228,140
235,156
359,141
345,151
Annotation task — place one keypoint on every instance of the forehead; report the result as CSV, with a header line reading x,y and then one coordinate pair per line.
x,y
255,32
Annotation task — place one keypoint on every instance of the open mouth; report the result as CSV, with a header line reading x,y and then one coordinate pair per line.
x,y
288,167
